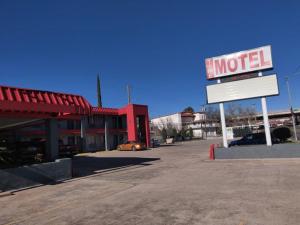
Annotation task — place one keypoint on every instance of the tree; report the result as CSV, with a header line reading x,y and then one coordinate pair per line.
x,y
191,133
189,110
182,133
174,133
164,134
99,97
282,133
212,113
238,115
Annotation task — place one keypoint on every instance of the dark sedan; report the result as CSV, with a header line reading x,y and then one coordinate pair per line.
x,y
250,139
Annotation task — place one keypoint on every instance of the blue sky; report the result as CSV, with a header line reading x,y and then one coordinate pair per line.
x,y
158,47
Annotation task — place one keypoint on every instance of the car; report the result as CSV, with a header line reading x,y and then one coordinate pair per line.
x,y
131,146
250,139
155,143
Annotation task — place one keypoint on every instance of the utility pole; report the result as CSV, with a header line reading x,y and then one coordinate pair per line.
x,y
291,107
106,128
129,94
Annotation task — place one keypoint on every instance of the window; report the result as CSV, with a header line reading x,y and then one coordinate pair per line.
x,y
70,124
71,140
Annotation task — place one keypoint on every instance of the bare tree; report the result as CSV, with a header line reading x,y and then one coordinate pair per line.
x,y
238,115
189,109
212,113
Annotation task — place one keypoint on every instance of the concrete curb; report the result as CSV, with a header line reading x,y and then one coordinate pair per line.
x,y
277,151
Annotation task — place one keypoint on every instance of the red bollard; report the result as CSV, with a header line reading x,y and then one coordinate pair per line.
x,y
212,152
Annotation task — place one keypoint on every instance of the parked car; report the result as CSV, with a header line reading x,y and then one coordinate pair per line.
x,y
155,143
131,146
252,139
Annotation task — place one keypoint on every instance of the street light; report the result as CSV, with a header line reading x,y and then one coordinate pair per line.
x,y
291,107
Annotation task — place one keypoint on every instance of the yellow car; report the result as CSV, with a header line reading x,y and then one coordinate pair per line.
x,y
131,146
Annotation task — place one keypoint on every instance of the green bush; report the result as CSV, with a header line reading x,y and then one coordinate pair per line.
x,y
282,133
191,133
164,134
174,133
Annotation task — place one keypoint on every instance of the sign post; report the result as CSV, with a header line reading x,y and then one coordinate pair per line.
x,y
266,118
223,122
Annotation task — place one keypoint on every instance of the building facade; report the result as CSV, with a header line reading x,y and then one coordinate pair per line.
x,y
201,126
67,119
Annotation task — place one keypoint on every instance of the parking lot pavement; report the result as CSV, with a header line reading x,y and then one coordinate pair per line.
x,y
167,185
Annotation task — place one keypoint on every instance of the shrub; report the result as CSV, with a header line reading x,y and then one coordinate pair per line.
x,y
282,133
164,134
182,134
174,133
191,133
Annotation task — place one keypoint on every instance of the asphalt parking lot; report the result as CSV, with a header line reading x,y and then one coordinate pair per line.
x,y
166,185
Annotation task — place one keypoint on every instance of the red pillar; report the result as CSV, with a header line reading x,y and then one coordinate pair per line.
x,y
147,127
212,152
132,111
131,124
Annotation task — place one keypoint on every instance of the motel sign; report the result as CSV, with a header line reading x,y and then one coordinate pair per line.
x,y
240,62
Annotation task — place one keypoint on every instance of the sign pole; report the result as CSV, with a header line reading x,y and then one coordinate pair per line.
x,y
223,122
266,118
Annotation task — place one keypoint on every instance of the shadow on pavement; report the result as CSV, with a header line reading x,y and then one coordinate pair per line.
x,y
86,166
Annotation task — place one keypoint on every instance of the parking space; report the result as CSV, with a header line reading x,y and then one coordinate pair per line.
x,y
167,185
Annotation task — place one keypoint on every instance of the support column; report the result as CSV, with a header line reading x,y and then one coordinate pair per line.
x,y
83,127
106,134
266,118
52,139
223,123
131,124
147,128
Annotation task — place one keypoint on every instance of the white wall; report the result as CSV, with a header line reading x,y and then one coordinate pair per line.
x,y
196,123
174,119
198,133
199,116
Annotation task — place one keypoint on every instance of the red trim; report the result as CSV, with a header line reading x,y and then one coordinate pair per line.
x,y
27,100
105,111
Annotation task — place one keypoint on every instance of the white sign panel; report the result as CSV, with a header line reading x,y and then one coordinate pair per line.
x,y
229,133
242,89
240,62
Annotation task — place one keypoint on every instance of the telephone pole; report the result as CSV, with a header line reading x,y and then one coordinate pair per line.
x,y
129,94
291,107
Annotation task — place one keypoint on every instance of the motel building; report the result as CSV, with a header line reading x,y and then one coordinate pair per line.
x,y
58,120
